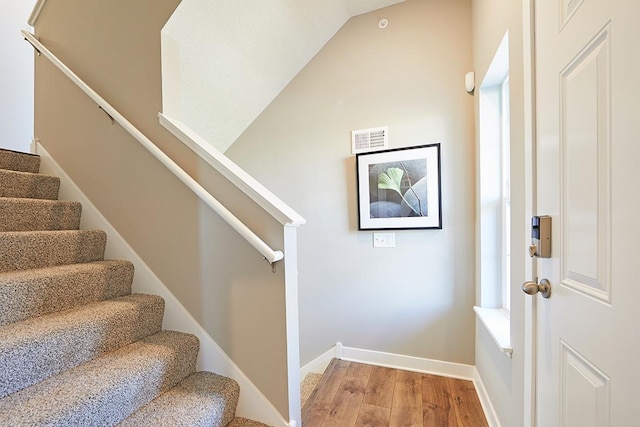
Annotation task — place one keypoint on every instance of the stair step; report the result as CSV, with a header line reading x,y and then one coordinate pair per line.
x,y
38,348
36,292
19,214
204,399
22,250
243,422
28,185
17,161
108,389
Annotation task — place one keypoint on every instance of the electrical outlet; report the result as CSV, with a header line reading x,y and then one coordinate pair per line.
x,y
384,240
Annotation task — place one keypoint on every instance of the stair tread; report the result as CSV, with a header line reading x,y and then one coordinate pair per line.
x,y
19,161
201,400
25,214
107,389
21,250
36,292
244,422
28,185
37,348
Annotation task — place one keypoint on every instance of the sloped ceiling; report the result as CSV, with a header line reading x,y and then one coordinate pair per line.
x,y
358,7
225,61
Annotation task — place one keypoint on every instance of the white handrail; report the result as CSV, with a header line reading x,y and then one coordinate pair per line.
x,y
35,14
269,254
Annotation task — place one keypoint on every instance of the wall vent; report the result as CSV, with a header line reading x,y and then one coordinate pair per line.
x,y
371,139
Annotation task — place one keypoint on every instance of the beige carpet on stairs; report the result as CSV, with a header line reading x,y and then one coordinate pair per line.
x,y
307,386
77,348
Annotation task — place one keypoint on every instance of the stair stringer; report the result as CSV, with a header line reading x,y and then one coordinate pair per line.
x,y
252,403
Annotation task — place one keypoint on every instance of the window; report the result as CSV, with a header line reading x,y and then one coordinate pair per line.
x,y
494,211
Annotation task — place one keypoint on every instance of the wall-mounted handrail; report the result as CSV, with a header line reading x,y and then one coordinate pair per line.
x,y
269,254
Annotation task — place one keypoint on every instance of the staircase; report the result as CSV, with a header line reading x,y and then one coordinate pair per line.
x,y
77,348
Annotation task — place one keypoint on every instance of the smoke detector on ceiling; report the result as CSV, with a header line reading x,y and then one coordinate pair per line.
x,y
371,139
383,23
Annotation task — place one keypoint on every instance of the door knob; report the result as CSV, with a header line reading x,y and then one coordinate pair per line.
x,y
532,288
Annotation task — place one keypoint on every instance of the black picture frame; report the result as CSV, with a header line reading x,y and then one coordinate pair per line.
x,y
400,188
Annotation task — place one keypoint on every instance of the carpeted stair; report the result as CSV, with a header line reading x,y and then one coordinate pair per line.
x,y
77,348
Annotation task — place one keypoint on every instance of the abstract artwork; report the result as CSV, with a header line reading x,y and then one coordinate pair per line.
x,y
399,188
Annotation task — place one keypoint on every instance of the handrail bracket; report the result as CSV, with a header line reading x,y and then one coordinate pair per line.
x,y
272,264
108,115
34,46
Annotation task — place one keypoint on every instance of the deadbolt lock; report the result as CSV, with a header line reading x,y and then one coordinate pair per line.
x,y
540,237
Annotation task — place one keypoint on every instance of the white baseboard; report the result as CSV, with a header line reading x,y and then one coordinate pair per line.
x,y
485,401
409,363
319,364
252,404
390,360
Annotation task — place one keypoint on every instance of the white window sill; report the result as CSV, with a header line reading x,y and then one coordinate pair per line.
x,y
497,322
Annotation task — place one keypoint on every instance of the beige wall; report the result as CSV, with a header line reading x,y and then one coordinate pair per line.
x,y
415,299
504,377
223,282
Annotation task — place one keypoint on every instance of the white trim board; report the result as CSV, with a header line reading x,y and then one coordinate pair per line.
x,y
498,323
529,67
390,360
241,179
35,14
252,404
407,363
485,401
319,364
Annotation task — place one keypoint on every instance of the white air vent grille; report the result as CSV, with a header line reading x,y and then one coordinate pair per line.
x,y
364,140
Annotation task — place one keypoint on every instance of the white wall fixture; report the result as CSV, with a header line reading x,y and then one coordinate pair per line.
x,y
384,240
383,23
364,140
470,82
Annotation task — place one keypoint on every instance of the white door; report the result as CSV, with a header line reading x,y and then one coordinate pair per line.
x,y
588,181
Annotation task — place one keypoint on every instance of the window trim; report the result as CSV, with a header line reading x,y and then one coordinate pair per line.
x,y
494,260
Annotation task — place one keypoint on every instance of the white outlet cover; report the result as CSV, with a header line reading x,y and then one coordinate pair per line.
x,y
384,240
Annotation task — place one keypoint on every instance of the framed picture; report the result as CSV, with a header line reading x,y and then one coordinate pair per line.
x,y
399,188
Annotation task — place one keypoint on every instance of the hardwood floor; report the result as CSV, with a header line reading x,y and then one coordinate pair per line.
x,y
354,394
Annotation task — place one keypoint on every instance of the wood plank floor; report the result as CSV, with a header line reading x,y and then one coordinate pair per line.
x,y
353,394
